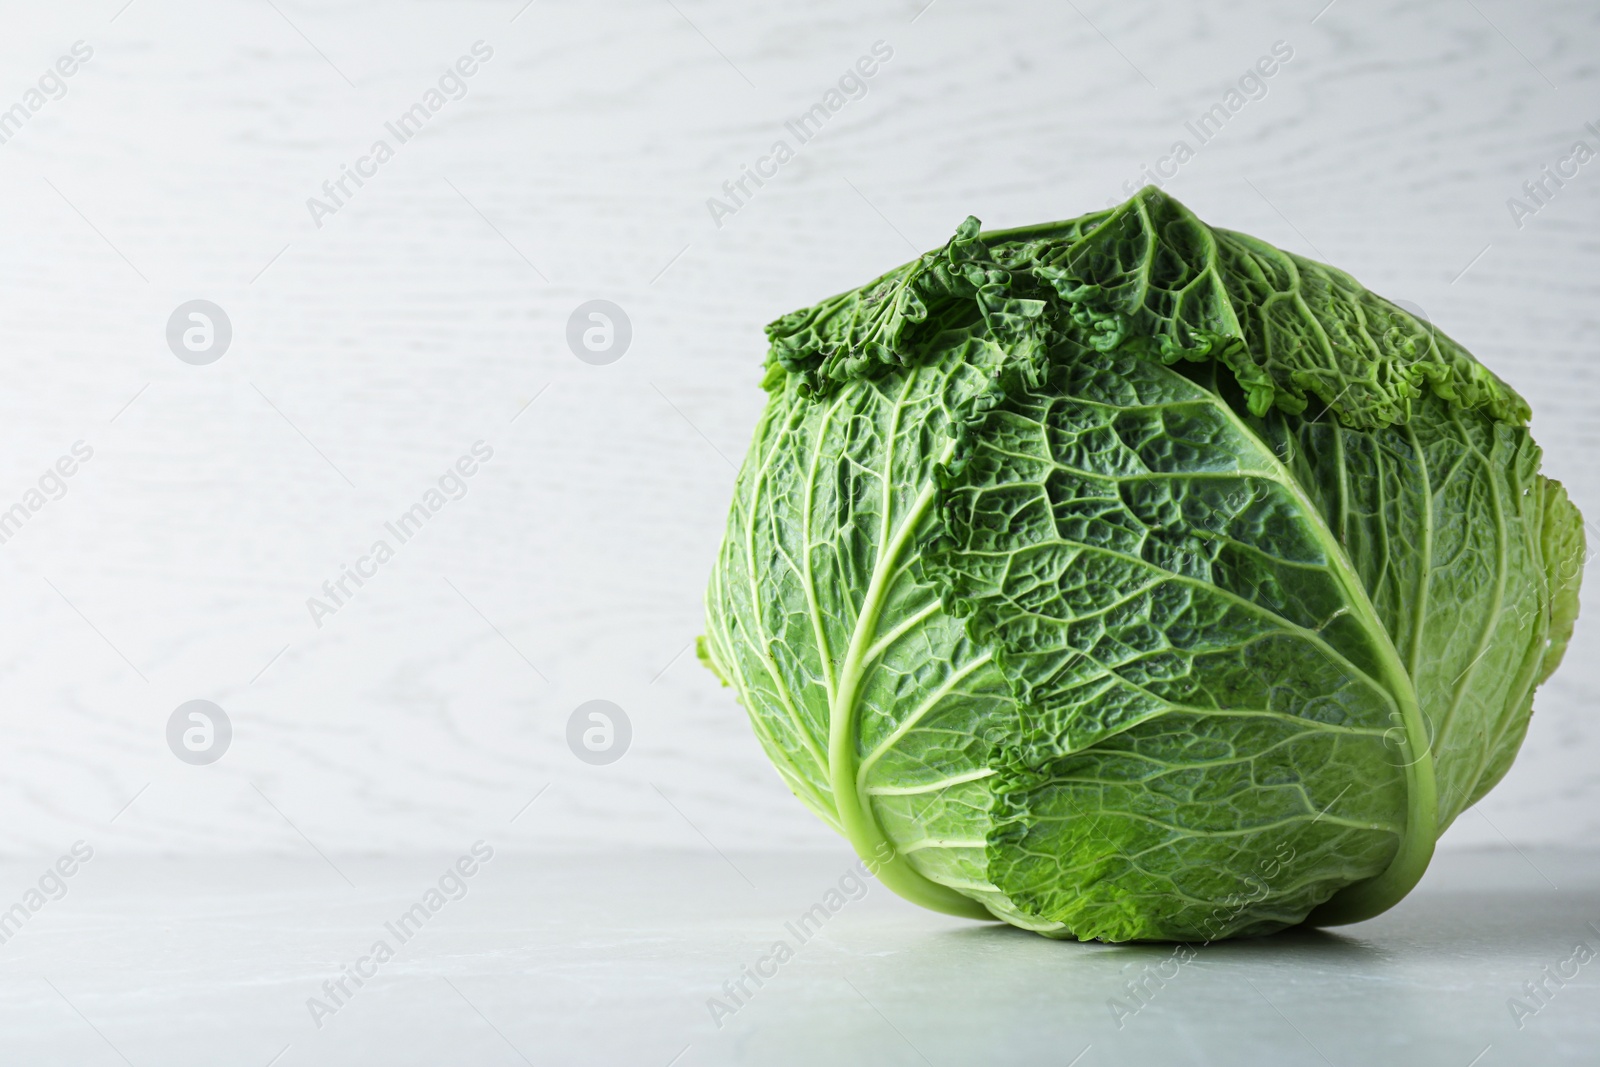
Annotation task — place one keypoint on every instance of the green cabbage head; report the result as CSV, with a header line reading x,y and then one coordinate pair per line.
x,y
1131,579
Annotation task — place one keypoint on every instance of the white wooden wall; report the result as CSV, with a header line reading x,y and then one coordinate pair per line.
x,y
422,316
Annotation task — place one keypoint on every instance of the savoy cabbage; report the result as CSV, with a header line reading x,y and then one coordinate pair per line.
x,y
1129,578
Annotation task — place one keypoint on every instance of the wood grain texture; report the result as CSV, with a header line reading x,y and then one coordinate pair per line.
x,y
426,312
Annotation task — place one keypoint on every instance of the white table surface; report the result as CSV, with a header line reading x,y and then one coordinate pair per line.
x,y
611,960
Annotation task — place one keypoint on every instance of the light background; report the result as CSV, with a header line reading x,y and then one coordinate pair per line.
x,y
431,309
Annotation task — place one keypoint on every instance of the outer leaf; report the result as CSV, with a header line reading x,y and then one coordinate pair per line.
x,y
1208,696
853,676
